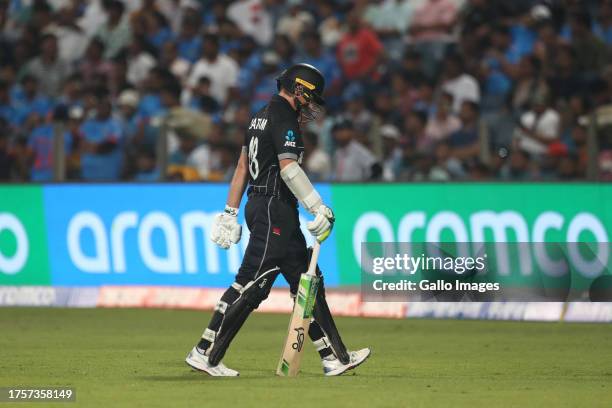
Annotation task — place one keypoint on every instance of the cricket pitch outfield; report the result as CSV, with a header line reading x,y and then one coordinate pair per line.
x,y
127,357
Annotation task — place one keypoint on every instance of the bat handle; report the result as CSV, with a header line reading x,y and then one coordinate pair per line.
x,y
312,268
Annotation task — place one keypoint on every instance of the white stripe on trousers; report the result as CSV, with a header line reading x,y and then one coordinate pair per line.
x,y
267,239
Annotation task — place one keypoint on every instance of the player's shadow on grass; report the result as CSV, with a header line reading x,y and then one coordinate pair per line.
x,y
186,377
195,376
169,378
251,375
190,375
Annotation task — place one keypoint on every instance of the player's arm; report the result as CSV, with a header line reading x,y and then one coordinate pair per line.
x,y
226,230
299,184
239,181
288,145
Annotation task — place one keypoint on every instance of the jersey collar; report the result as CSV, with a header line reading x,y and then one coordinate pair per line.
x,y
283,102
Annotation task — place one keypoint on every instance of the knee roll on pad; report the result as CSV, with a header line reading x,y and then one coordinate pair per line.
x,y
258,290
230,296
237,287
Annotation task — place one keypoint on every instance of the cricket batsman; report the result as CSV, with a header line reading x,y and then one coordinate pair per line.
x,y
270,162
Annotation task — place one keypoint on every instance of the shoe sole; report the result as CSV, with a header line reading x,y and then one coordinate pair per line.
x,y
196,368
203,370
349,367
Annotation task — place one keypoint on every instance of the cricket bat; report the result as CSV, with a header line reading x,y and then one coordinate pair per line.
x,y
289,364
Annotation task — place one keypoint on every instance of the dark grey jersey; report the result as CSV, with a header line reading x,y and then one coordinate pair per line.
x,y
273,135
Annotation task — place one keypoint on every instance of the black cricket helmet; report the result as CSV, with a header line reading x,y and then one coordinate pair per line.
x,y
307,81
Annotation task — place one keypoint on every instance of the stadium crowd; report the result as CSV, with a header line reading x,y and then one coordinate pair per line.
x,y
417,90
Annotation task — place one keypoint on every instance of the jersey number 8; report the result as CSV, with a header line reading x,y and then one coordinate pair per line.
x,y
253,164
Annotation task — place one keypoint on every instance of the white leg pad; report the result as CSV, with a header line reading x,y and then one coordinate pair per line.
x,y
221,307
209,335
321,344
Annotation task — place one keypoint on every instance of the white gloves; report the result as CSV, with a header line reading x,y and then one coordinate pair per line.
x,y
323,223
225,229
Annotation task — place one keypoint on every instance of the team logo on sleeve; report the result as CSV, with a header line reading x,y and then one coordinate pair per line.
x,y
290,139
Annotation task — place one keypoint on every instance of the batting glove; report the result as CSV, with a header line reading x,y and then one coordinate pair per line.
x,y
225,230
323,223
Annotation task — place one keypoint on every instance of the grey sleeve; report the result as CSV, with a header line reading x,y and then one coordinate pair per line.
x,y
287,155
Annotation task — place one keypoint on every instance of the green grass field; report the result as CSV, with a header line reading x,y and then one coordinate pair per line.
x,y
135,358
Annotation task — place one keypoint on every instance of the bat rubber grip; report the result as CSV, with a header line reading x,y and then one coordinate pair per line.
x,y
312,267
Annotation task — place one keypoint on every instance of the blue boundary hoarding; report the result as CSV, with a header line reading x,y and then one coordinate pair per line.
x,y
144,234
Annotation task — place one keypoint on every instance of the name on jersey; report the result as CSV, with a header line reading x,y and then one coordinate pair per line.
x,y
258,123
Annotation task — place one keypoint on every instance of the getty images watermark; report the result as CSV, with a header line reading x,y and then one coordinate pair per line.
x,y
467,271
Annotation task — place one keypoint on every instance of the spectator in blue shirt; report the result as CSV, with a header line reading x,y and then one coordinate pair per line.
x,y
7,110
314,54
150,103
132,122
34,106
251,64
102,143
465,142
145,166
40,147
16,93
523,39
504,55
603,27
189,41
325,61
496,69
213,13
285,49
72,92
229,36
158,29
265,87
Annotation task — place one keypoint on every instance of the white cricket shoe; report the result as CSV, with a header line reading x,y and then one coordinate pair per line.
x,y
199,361
335,367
